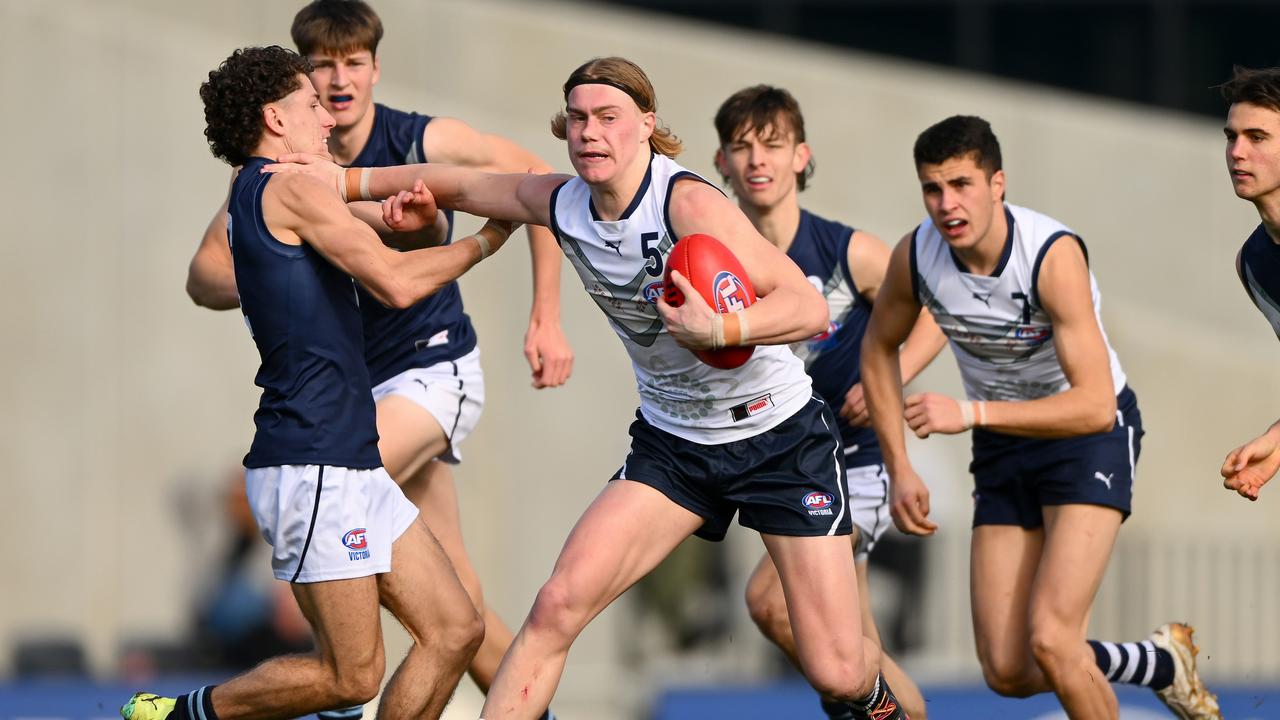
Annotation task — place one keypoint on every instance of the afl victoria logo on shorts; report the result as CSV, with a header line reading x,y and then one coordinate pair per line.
x,y
357,545
819,503
730,293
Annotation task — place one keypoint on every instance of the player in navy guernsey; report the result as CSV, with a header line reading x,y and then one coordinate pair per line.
x,y
707,443
424,364
342,532
1253,159
764,157
1056,430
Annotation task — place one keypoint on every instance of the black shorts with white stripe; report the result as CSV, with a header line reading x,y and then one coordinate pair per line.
x,y
789,480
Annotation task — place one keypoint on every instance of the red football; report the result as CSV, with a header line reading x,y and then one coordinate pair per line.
x,y
718,276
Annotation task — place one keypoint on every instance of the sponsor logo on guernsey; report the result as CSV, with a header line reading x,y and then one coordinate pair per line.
x,y
730,293
819,503
1032,333
357,545
742,411
652,292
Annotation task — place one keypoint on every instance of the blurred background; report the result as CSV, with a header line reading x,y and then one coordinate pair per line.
x,y
126,409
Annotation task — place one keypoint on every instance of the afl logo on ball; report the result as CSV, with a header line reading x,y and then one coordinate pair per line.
x,y
730,293
819,503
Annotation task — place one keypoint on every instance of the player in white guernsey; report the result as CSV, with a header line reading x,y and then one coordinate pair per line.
x,y
1056,430
706,443
1253,159
764,157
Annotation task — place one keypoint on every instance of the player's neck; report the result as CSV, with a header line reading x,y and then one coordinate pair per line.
x,y
1269,210
983,257
346,143
778,223
612,198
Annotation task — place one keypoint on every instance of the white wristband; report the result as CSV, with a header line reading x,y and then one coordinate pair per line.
x,y
484,245
742,328
364,183
717,331
982,413
966,415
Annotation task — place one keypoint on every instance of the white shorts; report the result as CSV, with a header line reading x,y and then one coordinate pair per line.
x,y
452,391
327,523
868,505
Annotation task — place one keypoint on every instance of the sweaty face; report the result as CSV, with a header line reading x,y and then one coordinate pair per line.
x,y
961,200
605,131
1253,150
305,122
761,165
345,83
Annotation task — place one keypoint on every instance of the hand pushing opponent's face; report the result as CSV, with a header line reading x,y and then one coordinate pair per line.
x,y
300,120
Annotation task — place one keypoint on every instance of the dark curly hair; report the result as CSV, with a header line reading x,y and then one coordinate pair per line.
x,y
960,136
236,91
1256,86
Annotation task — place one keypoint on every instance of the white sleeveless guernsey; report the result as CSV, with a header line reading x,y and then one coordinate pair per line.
x,y
1001,336
621,265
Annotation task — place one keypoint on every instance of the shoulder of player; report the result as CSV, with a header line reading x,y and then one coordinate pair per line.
x,y
302,194
453,141
690,194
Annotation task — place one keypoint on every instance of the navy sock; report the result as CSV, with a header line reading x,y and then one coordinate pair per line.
x,y
195,705
355,712
880,704
1135,663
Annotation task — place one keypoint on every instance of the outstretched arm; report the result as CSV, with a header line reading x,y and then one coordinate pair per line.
x,y
1250,466
892,319
452,141
788,307
300,206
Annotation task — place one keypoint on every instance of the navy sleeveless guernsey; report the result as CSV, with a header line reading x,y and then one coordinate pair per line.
x,y
302,312
1260,273
821,249
435,329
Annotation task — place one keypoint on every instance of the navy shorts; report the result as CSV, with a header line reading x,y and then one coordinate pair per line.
x,y
1014,477
785,481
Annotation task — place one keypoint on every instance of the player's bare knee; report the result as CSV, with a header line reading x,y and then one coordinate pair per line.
x,y
357,683
1007,679
843,679
1054,647
556,612
767,608
464,638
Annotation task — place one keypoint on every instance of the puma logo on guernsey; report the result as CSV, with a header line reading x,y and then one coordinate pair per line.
x,y
1106,479
614,246
984,299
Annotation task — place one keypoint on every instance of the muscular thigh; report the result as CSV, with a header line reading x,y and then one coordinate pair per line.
x,y
344,618
1077,547
422,590
409,437
1002,567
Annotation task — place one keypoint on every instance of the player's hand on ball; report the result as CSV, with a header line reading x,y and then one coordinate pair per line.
x,y
689,324
909,504
1249,467
410,210
854,410
320,167
928,413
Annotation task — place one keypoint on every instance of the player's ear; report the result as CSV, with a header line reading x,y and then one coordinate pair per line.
x,y
997,185
377,69
802,157
648,121
722,165
272,118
